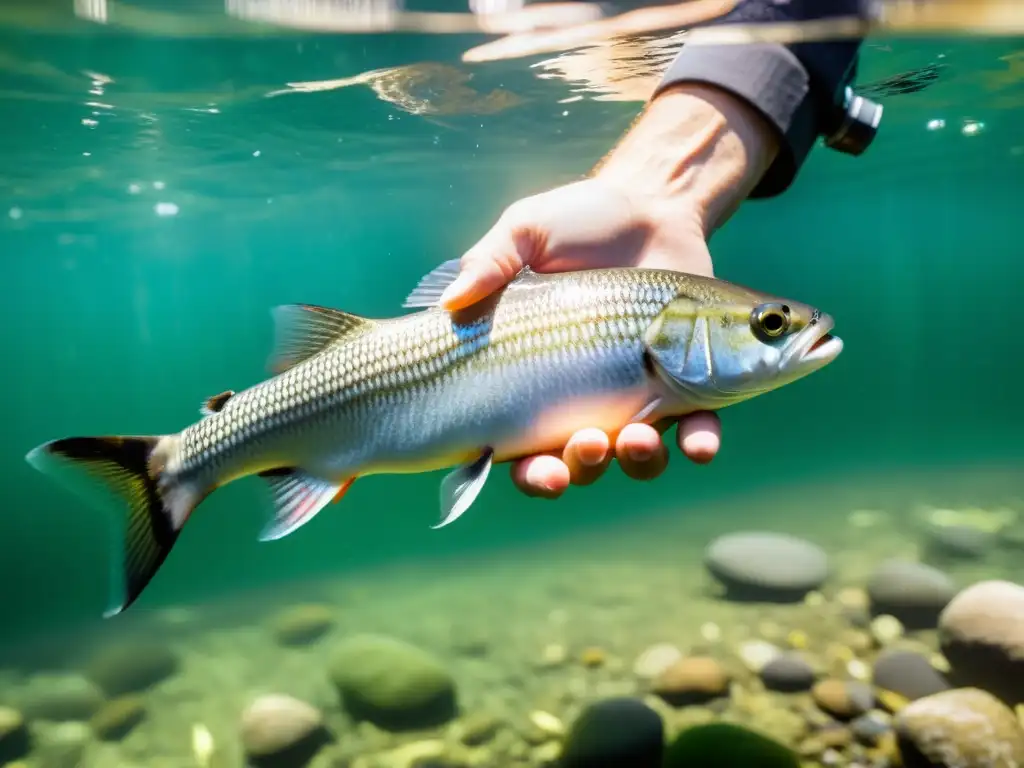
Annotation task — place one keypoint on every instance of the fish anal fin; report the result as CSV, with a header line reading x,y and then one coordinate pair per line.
x,y
216,403
304,330
298,497
130,469
462,485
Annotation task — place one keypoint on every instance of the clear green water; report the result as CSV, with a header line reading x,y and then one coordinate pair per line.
x,y
120,319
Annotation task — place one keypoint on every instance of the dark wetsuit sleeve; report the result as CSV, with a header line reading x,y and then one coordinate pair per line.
x,y
796,87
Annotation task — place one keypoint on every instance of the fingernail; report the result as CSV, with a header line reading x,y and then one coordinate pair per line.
x,y
639,453
588,459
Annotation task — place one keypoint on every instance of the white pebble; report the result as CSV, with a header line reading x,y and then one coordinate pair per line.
x,y
886,629
857,669
756,654
711,632
553,655
656,659
547,723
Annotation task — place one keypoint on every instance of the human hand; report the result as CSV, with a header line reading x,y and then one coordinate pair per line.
x,y
587,225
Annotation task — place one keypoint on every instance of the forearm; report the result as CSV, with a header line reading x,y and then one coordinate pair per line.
x,y
730,122
695,153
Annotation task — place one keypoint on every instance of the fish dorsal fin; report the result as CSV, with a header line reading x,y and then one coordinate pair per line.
x,y
216,403
303,330
427,292
297,499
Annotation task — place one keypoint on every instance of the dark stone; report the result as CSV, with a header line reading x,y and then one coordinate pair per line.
x,y
788,673
907,673
958,542
769,567
131,666
912,592
614,733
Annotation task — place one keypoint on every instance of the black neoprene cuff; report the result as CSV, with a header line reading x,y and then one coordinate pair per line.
x,y
796,87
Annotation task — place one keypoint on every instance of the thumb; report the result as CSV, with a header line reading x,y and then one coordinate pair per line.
x,y
491,263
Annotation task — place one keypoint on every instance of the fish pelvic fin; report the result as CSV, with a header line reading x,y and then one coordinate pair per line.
x,y
156,504
298,497
302,331
462,485
216,403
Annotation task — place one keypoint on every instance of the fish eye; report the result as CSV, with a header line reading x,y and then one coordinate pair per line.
x,y
771,320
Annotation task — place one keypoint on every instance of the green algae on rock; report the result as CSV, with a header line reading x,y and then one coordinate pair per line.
x,y
725,744
392,684
131,666
301,624
118,717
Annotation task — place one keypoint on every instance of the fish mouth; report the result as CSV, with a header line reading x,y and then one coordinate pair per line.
x,y
815,346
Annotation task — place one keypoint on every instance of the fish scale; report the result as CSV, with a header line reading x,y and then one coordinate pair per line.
x,y
515,374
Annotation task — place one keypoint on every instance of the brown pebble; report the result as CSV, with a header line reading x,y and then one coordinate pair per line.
x,y
692,680
843,699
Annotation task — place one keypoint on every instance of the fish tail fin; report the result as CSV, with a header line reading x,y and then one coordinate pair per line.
x,y
131,469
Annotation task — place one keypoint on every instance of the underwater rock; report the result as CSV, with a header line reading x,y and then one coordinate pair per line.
x,y
770,567
131,666
981,633
613,733
692,680
962,728
118,717
478,728
843,699
62,745
912,592
871,727
392,684
15,741
909,674
725,744
956,542
279,731
60,698
301,624
787,673
831,736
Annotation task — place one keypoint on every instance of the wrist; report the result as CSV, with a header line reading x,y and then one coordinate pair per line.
x,y
694,154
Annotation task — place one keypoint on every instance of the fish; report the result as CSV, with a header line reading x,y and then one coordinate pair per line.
x,y
513,375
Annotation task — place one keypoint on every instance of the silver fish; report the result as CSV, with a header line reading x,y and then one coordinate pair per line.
x,y
516,374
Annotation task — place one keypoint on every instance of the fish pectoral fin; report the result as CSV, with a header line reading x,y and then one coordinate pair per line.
x,y
462,485
647,410
216,403
304,330
432,285
297,498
